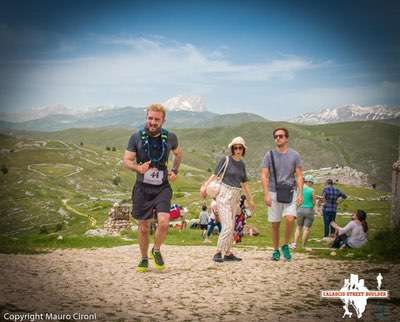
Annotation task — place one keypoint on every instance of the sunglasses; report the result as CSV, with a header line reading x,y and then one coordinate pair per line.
x,y
238,147
279,136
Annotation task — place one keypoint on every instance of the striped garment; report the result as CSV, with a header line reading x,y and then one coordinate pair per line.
x,y
228,201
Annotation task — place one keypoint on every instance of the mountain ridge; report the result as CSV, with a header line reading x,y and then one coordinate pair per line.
x,y
128,117
349,113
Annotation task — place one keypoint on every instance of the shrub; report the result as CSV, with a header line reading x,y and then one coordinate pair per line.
x,y
4,169
43,229
116,180
114,149
108,148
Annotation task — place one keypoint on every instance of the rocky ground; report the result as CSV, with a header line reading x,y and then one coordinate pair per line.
x,y
192,288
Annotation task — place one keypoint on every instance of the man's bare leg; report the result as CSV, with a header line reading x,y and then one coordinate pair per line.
x,y
289,228
144,226
162,229
275,234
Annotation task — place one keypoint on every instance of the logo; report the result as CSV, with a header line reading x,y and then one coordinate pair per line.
x,y
355,294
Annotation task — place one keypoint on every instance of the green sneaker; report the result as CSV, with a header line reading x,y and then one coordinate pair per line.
x,y
158,260
286,253
276,255
143,265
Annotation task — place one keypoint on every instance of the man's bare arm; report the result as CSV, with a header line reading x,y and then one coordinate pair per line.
x,y
265,180
265,184
177,158
299,180
129,162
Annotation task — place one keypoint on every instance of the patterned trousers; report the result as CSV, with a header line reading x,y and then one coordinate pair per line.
x,y
228,203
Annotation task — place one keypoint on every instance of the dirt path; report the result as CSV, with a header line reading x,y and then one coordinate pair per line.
x,y
192,288
92,220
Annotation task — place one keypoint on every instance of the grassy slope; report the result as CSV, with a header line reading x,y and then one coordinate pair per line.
x,y
371,147
30,200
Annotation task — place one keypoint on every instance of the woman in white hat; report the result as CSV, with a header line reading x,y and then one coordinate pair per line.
x,y
234,179
305,214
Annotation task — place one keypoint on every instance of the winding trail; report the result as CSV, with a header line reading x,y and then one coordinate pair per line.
x,y
92,220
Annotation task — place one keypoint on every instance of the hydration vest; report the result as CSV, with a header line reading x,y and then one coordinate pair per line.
x,y
159,161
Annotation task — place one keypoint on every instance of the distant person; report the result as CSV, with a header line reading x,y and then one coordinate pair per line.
x,y
357,228
213,221
305,214
331,197
175,212
147,154
281,169
234,180
203,221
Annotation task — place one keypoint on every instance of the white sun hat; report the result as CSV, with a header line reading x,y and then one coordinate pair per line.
x,y
238,140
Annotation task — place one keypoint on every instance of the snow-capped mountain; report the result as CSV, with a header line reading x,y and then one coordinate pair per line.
x,y
349,113
185,103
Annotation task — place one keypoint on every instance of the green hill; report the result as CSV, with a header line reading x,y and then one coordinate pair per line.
x,y
371,147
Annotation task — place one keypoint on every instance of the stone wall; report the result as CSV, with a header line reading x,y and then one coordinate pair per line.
x,y
341,175
119,218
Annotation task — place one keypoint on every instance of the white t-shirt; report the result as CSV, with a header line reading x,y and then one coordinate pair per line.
x,y
358,237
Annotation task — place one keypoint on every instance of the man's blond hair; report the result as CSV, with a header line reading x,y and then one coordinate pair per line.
x,y
157,108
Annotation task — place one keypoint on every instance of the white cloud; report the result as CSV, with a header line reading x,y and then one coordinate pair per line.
x,y
135,71
146,61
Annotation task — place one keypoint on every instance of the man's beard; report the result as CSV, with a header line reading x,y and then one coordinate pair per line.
x,y
153,132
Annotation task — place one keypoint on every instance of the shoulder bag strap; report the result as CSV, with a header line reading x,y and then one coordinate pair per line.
x,y
222,169
273,166
225,167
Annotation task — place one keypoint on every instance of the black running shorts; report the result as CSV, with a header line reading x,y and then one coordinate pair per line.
x,y
146,198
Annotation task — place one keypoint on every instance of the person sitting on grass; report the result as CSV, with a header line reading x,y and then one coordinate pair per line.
x,y
358,229
305,214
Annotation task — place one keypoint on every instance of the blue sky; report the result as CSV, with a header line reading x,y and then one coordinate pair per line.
x,y
275,58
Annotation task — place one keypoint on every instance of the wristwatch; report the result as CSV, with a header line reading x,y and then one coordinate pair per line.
x,y
174,170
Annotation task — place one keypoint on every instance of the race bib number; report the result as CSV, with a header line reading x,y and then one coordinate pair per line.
x,y
154,176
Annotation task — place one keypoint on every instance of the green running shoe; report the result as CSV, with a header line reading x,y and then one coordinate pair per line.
x,y
158,260
143,265
286,253
276,255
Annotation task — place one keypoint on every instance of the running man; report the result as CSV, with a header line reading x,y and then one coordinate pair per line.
x,y
288,171
147,154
